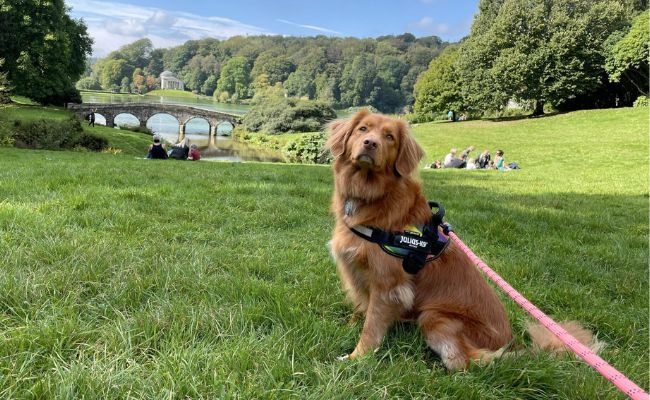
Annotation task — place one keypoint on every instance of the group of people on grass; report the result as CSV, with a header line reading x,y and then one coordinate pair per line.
x,y
182,150
483,161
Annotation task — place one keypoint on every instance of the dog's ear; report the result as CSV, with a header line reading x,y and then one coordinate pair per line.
x,y
340,130
409,154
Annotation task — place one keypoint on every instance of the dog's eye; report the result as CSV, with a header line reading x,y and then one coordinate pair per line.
x,y
390,136
363,128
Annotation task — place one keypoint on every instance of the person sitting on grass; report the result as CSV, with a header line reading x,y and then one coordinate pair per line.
x,y
194,153
157,150
500,162
181,150
484,159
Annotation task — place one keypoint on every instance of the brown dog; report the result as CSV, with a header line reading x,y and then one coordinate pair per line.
x,y
459,315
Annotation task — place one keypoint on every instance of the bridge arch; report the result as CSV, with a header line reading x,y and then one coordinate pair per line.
x,y
144,111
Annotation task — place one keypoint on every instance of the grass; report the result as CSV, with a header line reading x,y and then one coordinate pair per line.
x,y
128,278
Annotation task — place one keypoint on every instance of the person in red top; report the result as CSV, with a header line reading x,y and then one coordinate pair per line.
x,y
194,153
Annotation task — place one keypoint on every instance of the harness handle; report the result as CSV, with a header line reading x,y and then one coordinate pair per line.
x,y
437,218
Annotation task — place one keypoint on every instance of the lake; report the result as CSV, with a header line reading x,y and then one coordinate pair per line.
x,y
197,130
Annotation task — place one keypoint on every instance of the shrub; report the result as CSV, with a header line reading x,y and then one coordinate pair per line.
x,y
307,149
6,138
92,142
280,115
55,135
641,101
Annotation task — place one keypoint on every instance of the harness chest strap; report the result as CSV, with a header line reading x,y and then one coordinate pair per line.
x,y
415,245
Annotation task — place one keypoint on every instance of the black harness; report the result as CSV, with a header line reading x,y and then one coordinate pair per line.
x,y
415,245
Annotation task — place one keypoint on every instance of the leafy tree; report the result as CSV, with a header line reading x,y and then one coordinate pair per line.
x,y
139,81
176,58
357,81
112,71
88,83
152,82
235,78
124,85
300,84
536,51
629,57
197,70
137,53
156,66
439,89
209,86
327,86
44,49
274,64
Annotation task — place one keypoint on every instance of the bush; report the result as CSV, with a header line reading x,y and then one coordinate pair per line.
x,y
287,115
55,135
92,142
308,149
641,101
6,139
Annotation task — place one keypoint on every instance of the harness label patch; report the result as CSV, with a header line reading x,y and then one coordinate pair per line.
x,y
412,242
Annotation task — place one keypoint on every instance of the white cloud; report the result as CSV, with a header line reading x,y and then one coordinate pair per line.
x,y
113,25
429,26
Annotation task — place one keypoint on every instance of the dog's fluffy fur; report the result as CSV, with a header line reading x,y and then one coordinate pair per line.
x,y
460,316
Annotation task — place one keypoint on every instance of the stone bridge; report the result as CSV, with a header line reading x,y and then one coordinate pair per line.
x,y
144,111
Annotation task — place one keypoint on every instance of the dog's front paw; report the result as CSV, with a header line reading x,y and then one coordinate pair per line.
x,y
343,358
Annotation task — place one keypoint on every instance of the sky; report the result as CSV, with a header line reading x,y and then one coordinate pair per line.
x,y
168,23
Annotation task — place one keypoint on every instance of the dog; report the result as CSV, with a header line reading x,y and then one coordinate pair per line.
x,y
375,160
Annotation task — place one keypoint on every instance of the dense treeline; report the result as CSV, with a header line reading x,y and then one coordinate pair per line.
x,y
341,72
563,54
566,54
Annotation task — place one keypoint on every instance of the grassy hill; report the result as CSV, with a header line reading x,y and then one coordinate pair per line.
x,y
130,278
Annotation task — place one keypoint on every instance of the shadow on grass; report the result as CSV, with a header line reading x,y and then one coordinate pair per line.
x,y
506,118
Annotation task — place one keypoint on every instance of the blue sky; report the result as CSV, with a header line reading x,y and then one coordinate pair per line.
x,y
170,23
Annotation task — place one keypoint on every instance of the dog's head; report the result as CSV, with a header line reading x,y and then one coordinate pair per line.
x,y
374,142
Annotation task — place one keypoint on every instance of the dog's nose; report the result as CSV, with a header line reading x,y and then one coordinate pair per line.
x,y
369,143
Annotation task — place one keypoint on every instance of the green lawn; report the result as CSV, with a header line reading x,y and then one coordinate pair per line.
x,y
130,278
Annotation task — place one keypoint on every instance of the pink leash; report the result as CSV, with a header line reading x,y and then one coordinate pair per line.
x,y
619,380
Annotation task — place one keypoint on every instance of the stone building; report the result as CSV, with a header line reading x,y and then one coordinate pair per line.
x,y
168,80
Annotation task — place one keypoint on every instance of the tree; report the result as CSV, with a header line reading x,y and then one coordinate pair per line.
x,y
629,58
137,53
112,71
198,70
300,84
274,64
88,83
357,81
209,86
235,78
44,49
156,66
439,89
536,51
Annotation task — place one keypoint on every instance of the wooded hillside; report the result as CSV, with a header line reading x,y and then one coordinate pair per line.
x,y
342,72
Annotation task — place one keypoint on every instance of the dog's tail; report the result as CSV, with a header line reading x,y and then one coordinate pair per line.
x,y
545,340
